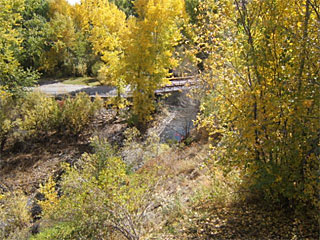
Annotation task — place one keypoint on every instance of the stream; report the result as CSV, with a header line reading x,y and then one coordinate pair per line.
x,y
179,122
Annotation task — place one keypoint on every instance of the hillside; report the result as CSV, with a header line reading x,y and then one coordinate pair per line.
x,y
186,202
159,119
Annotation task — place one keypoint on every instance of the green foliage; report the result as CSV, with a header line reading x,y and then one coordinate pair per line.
x,y
125,6
12,74
76,113
96,67
60,231
41,35
36,115
34,31
40,114
192,8
68,51
264,74
14,216
100,198
6,118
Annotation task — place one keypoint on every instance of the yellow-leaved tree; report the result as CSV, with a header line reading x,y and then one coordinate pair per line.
x,y
263,70
137,51
61,38
9,38
69,51
106,25
148,51
12,75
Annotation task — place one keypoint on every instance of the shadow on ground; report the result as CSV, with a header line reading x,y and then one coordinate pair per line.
x,y
250,220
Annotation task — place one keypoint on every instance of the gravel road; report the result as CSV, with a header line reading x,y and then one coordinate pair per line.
x,y
57,89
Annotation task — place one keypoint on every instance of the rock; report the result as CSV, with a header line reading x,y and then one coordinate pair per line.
x,y
35,228
19,147
35,211
35,208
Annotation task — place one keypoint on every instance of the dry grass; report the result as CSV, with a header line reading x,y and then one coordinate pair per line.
x,y
210,204
182,175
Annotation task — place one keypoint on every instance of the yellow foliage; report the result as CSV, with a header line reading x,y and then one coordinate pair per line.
x,y
51,196
137,51
14,214
40,114
99,191
263,70
149,47
6,119
107,27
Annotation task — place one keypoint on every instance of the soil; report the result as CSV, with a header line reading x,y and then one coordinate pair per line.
x,y
23,166
27,169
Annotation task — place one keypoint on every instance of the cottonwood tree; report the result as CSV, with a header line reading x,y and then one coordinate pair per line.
x,y
148,51
12,74
137,51
107,27
263,70
69,51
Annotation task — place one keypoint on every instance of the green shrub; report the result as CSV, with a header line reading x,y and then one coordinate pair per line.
x,y
96,67
35,115
14,215
58,232
77,112
100,198
40,114
6,109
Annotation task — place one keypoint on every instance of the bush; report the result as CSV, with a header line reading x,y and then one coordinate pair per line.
x,y
100,198
14,215
77,112
6,110
40,114
136,152
60,231
36,115
95,68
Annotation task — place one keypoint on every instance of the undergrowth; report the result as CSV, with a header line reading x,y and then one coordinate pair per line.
x,y
34,116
